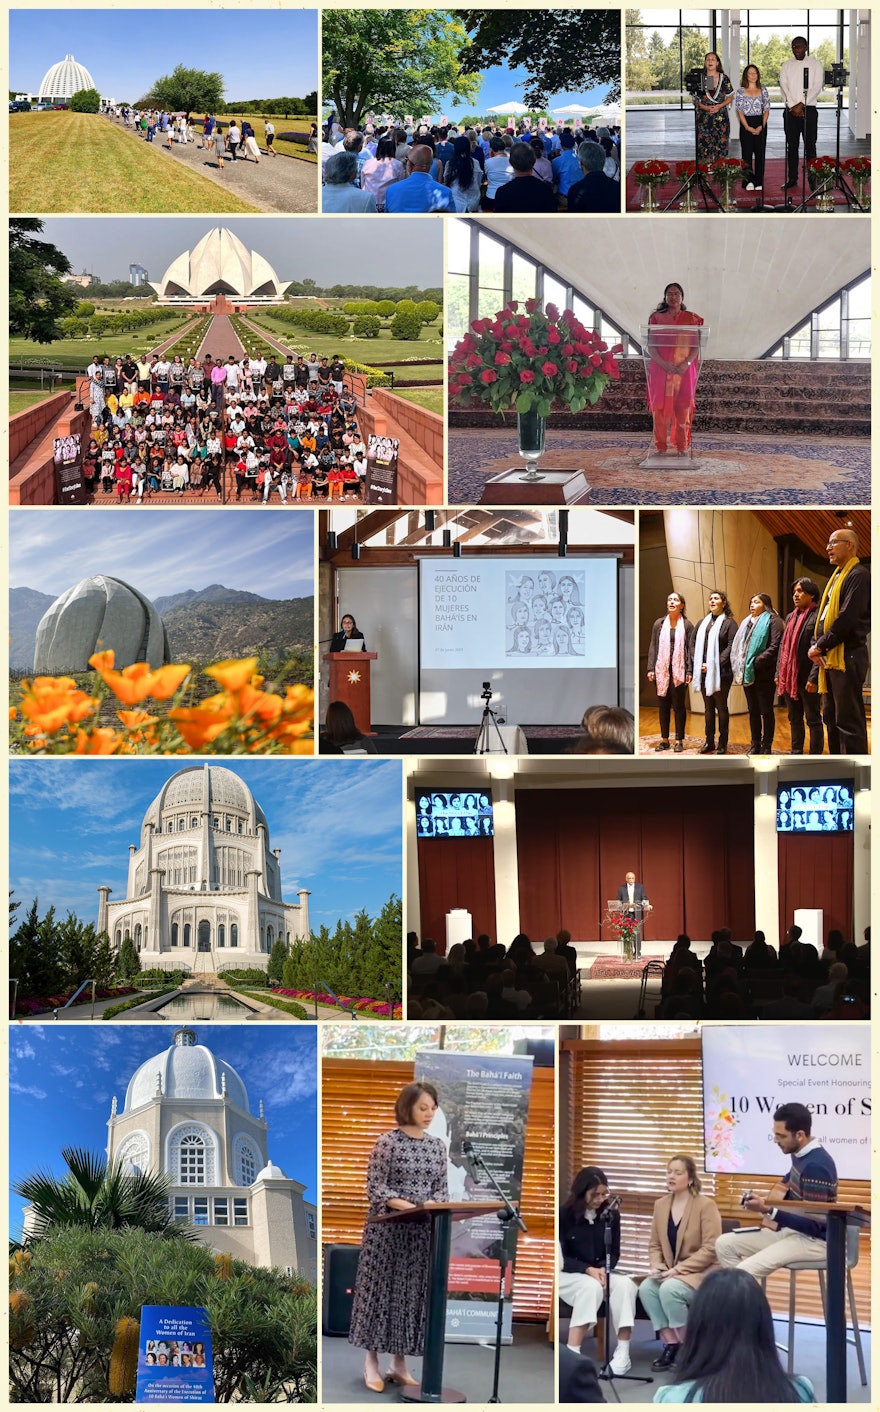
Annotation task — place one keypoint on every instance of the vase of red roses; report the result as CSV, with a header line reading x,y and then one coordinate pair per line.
x,y
526,359
820,171
649,175
727,171
858,169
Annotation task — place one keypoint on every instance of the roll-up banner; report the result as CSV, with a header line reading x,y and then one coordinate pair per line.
x,y
483,1098
750,1071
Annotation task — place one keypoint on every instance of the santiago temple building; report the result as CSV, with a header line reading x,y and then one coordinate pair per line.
x,y
204,887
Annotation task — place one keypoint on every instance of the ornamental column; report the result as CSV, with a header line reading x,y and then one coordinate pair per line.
x,y
103,894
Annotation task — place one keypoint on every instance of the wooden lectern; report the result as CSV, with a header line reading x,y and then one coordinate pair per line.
x,y
350,682
442,1214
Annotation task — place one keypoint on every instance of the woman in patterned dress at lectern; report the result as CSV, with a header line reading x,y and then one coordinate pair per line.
x,y
407,1170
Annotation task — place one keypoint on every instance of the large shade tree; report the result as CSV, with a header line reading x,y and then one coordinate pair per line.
x,y
397,61
38,297
186,91
562,51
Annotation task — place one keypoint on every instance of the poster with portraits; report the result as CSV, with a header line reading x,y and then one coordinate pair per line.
x,y
380,486
175,1358
545,614
70,488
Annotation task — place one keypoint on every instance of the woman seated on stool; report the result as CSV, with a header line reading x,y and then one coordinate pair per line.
x,y
730,1354
582,1226
681,1252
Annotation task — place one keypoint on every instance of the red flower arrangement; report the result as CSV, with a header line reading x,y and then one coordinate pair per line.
x,y
858,167
626,930
651,173
819,169
689,169
727,169
529,360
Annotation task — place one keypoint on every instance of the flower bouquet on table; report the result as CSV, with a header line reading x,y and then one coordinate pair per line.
x,y
626,929
820,170
727,171
650,175
527,360
858,169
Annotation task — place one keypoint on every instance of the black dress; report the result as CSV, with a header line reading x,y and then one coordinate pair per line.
x,y
391,1290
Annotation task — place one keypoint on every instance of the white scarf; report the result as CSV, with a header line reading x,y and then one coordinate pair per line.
x,y
740,649
710,628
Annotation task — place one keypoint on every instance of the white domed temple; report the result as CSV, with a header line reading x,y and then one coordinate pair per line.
x,y
63,80
187,1114
220,265
204,886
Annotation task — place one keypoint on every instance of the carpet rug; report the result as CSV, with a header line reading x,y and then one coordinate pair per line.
x,y
615,968
763,471
773,195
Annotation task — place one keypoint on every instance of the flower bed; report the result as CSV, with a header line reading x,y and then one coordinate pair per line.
x,y
37,1004
363,1004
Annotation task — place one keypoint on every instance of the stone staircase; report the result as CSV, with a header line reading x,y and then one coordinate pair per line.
x,y
770,397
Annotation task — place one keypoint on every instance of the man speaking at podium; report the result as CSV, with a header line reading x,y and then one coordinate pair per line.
x,y
631,895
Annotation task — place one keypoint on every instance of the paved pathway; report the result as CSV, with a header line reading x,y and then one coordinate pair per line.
x,y
279,183
220,340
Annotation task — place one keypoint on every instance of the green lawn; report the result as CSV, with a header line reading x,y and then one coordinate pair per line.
x,y
83,162
20,401
431,398
78,352
374,351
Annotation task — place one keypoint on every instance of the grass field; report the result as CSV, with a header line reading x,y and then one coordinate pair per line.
x,y
82,162
431,398
282,124
20,401
78,352
374,351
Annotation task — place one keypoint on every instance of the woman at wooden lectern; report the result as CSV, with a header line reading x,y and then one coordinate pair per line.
x,y
407,1170
348,629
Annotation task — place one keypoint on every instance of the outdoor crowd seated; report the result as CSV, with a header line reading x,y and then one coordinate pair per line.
x,y
466,169
799,984
479,979
287,425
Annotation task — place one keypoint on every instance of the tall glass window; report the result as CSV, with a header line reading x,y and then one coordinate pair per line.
x,y
838,329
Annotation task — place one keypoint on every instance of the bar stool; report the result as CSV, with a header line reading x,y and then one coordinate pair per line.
x,y
852,1259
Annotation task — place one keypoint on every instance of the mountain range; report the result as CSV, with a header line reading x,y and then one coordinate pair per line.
x,y
209,624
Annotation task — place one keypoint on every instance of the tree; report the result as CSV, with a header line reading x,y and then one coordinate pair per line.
x,y
128,963
277,958
70,1291
379,958
406,325
366,326
427,310
33,954
187,90
37,296
86,100
570,50
404,61
99,1195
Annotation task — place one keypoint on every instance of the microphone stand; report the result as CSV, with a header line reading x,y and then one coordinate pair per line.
x,y
510,1219
697,180
606,1373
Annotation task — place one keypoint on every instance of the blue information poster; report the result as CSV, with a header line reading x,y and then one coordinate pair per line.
x,y
175,1363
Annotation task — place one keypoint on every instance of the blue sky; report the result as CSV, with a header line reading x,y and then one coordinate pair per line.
x,y
503,85
337,823
162,552
298,248
62,1079
260,53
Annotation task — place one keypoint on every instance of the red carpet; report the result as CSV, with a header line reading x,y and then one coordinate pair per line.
x,y
615,968
773,195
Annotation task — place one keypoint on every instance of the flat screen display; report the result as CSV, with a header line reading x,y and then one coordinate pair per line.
x,y
824,806
454,814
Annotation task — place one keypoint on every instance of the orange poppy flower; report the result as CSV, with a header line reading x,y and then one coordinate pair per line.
x,y
197,725
100,741
233,675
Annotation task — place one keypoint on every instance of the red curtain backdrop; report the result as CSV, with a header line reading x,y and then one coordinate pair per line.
x,y
693,848
456,872
816,870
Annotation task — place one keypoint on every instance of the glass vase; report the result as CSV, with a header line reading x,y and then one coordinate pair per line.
x,y
649,198
531,430
861,189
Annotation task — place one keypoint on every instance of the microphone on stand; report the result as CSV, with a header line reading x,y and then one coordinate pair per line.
x,y
806,77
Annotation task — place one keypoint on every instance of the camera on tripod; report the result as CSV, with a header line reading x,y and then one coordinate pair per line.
x,y
836,77
486,693
696,81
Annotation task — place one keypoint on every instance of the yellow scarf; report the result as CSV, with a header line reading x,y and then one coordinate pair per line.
x,y
831,602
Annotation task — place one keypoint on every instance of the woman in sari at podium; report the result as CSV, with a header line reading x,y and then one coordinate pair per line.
x,y
672,354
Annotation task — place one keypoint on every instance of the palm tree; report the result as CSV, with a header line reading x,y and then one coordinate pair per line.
x,y
100,1196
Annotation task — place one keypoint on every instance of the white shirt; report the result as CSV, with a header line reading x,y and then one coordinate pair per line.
x,y
791,81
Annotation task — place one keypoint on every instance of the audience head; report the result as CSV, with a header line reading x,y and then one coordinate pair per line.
x,y
420,157
340,169
610,723
730,1350
522,158
591,158
340,726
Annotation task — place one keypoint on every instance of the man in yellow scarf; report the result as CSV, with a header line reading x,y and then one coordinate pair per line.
x,y
840,650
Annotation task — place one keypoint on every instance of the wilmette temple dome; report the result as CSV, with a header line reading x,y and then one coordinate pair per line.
x,y
220,264
63,80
